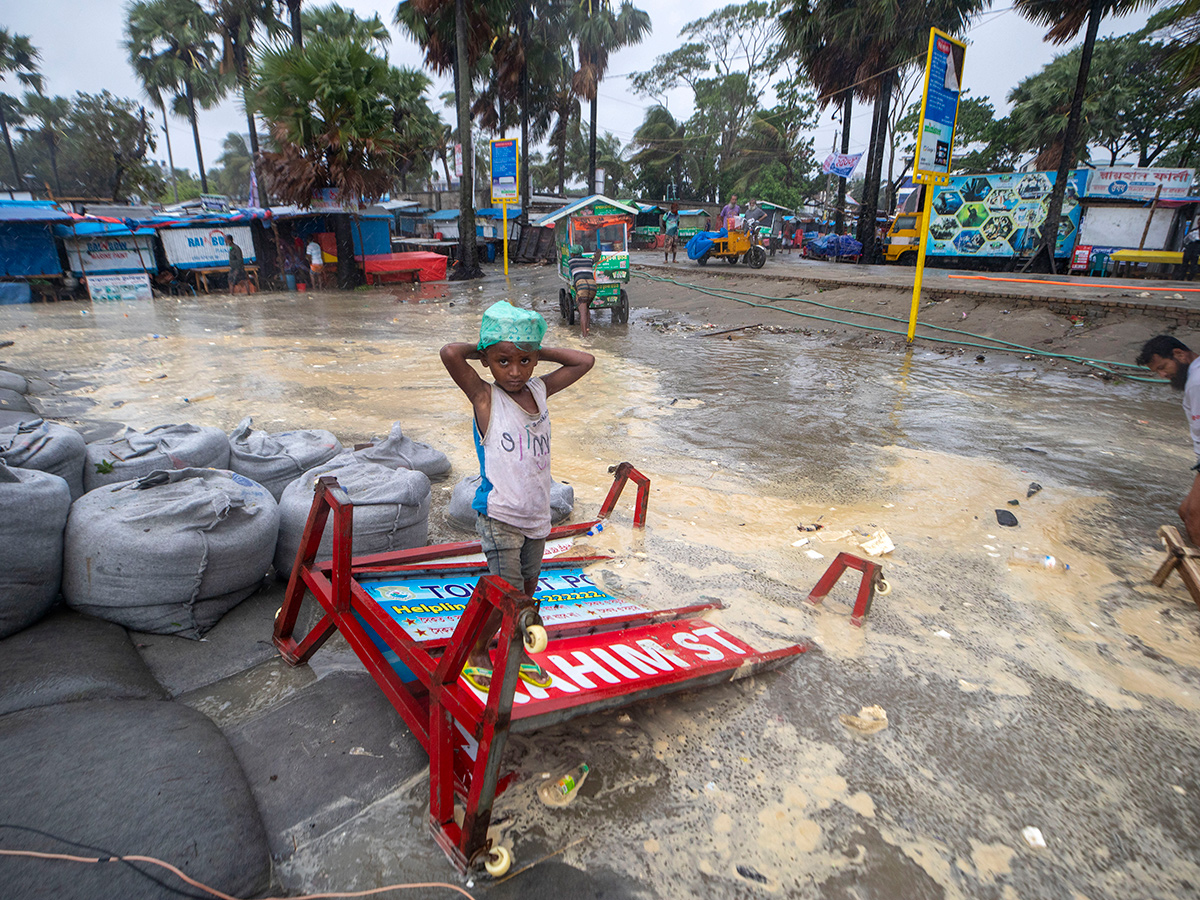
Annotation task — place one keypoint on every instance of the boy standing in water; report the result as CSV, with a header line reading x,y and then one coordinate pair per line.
x,y
512,440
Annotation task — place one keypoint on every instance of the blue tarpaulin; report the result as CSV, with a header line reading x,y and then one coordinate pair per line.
x,y
27,249
834,245
702,242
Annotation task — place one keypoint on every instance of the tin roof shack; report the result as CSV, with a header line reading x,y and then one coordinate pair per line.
x,y
1136,209
368,233
29,257
105,247
196,243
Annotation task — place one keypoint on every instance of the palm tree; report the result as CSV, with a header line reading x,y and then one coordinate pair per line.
x,y
830,62
336,22
171,48
330,117
1065,18
50,114
19,58
297,22
600,32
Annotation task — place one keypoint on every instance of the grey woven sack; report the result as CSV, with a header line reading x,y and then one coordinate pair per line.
x,y
276,460
171,552
11,381
34,443
461,515
396,450
163,447
391,510
31,544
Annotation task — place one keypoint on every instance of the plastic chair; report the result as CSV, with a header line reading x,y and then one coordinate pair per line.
x,y
1099,265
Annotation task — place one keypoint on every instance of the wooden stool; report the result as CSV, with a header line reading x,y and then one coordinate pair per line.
x,y
1179,556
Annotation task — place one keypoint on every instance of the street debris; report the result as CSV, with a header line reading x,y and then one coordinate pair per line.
x,y
1033,837
870,719
1007,519
878,544
1034,487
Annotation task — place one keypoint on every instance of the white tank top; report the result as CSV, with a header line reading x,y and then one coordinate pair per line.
x,y
514,462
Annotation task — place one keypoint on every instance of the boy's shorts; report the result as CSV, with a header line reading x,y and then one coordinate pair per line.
x,y
510,554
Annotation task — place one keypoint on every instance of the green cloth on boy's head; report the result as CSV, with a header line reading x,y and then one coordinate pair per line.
x,y
504,322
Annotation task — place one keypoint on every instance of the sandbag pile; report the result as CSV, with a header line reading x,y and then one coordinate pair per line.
x,y
391,509
276,460
31,544
170,552
164,447
460,513
30,442
396,451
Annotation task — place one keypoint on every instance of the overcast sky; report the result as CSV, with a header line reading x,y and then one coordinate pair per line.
x,y
80,43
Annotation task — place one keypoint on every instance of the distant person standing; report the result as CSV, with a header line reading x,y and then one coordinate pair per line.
x,y
1191,251
671,226
1169,358
729,210
316,264
237,267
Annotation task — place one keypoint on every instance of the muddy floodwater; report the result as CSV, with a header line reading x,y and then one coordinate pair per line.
x,y
1015,698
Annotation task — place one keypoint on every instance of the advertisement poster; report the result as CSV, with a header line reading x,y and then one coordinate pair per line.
x,y
119,287
1125,183
105,255
504,171
204,248
939,109
429,608
1001,214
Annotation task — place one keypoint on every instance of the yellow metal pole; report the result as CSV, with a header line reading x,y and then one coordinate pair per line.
x,y
923,236
504,219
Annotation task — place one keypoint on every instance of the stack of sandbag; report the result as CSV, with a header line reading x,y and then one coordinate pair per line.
x,y
460,513
30,442
397,451
13,388
391,509
36,504
170,552
164,447
276,460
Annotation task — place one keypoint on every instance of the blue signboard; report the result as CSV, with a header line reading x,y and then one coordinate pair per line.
x,y
939,108
504,171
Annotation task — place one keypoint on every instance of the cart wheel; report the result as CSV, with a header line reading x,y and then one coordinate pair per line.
x,y
703,258
571,312
623,309
277,612
536,639
756,257
498,861
732,260
883,587
562,302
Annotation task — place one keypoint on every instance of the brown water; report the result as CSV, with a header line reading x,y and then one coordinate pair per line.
x,y
1014,698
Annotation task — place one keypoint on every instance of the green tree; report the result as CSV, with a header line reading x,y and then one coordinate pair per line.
x,y
50,114
105,143
1180,22
658,157
232,175
1064,19
171,49
338,22
330,118
18,58
418,128
600,31
295,21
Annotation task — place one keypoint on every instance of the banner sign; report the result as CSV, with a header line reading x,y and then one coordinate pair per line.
x,y
840,164
1139,184
458,161
88,255
218,203
939,107
205,248
429,608
504,171
119,287
1001,214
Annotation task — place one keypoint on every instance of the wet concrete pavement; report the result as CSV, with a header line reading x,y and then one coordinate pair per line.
x,y
1014,697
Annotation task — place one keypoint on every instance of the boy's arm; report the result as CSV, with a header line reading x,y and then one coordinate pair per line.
x,y
573,365
455,358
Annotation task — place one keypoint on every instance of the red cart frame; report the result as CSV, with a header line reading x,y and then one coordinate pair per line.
x,y
440,708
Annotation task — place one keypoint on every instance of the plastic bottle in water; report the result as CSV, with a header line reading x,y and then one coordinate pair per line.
x,y
563,791
1032,560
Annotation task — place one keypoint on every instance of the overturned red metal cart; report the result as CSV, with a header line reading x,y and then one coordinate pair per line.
x,y
412,617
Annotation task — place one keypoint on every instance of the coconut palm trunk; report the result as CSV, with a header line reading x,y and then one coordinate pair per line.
x,y
12,156
468,253
191,104
170,154
847,108
870,205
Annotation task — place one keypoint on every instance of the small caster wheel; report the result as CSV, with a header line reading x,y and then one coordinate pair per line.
x,y
536,639
498,861
882,587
